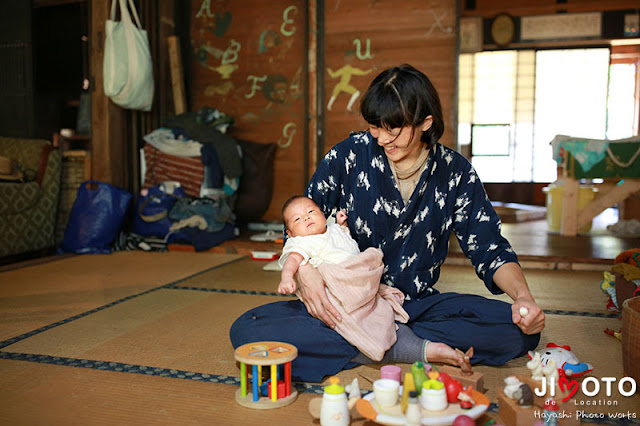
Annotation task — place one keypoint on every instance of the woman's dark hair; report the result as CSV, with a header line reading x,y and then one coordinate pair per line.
x,y
403,96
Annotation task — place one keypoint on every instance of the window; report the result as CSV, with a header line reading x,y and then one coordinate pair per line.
x,y
524,98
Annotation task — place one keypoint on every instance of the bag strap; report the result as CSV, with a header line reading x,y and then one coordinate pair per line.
x,y
124,11
132,6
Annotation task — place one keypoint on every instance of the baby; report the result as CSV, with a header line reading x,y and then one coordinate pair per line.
x,y
311,239
364,304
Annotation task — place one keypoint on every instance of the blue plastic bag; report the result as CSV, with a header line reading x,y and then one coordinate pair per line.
x,y
96,218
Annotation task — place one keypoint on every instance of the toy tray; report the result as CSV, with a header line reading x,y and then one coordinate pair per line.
x,y
394,415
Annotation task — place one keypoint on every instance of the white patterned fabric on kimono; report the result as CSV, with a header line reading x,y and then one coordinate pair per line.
x,y
355,175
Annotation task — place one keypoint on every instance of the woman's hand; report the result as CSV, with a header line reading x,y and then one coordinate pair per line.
x,y
510,279
527,315
314,296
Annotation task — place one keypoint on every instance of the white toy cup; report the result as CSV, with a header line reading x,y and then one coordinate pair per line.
x,y
386,392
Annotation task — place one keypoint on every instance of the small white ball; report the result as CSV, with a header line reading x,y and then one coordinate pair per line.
x,y
523,311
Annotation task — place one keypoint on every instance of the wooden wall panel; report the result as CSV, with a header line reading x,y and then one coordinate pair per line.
x,y
364,37
250,63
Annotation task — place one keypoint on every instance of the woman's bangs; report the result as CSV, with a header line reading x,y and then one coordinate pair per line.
x,y
383,110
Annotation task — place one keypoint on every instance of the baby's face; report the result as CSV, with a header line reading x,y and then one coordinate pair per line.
x,y
303,217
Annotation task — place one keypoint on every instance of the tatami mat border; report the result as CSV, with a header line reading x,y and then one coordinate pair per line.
x,y
231,291
119,367
273,294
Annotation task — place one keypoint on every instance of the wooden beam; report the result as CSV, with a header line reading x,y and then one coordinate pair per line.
x,y
108,140
569,223
177,75
617,194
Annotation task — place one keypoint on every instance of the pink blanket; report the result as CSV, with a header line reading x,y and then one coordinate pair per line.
x,y
368,309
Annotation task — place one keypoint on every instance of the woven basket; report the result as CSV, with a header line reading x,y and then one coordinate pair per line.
x,y
631,337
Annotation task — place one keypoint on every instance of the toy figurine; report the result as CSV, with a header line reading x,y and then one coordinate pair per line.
x,y
535,365
550,371
465,367
466,401
567,362
524,395
512,385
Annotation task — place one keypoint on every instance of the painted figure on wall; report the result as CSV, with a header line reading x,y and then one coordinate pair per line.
x,y
344,85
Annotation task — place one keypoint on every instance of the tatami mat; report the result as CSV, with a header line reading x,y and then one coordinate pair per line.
x,y
40,295
553,290
37,394
174,322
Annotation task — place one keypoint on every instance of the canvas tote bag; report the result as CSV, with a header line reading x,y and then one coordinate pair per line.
x,y
127,67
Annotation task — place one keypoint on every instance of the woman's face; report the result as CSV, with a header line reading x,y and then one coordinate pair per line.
x,y
399,144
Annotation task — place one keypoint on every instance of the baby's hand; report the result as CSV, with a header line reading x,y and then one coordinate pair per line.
x,y
287,286
341,217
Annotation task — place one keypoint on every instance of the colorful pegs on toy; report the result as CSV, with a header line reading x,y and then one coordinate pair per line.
x,y
257,355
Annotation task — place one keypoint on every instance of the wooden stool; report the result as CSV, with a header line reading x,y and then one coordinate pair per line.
x,y
258,354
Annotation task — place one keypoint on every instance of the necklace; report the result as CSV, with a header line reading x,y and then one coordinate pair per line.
x,y
414,168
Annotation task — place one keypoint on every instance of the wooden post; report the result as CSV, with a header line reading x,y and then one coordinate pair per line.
x,y
274,382
287,378
254,382
243,378
177,75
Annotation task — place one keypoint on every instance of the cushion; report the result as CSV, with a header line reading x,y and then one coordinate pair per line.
x,y
18,197
256,183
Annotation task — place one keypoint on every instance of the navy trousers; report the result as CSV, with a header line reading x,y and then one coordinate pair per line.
x,y
459,320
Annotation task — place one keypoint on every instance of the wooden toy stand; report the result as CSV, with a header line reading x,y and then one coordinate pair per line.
x,y
513,414
270,354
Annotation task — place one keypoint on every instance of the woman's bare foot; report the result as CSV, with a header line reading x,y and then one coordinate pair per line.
x,y
441,352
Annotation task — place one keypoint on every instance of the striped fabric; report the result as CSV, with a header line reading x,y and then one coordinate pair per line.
x,y
161,167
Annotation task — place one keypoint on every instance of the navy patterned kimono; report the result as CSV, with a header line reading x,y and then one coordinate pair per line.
x,y
355,175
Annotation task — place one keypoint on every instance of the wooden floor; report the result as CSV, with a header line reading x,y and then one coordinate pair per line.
x,y
535,245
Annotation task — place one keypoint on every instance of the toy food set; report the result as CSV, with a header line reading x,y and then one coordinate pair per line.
x,y
438,397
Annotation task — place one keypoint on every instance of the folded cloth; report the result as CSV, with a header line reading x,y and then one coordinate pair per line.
x,y
631,256
628,271
368,309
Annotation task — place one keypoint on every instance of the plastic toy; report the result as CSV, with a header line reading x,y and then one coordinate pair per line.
x,y
257,355
567,362
317,405
433,396
335,407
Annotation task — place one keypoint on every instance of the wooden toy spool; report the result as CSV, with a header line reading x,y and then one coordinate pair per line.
x,y
260,354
